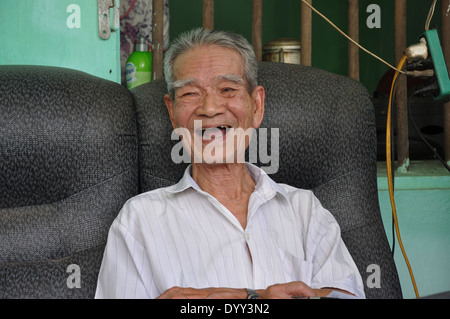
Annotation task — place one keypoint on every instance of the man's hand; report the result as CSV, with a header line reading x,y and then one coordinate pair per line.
x,y
296,289
206,293
278,291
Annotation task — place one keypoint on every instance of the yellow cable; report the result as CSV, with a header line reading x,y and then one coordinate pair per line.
x,y
389,174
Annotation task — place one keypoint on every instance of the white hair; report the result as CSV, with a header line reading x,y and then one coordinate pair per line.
x,y
197,37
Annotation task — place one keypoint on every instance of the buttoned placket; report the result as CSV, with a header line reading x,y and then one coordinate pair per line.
x,y
257,199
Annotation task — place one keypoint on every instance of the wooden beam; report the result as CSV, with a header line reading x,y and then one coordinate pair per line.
x,y
353,32
158,39
208,14
401,98
306,35
257,13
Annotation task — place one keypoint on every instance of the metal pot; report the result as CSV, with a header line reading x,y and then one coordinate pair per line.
x,y
282,50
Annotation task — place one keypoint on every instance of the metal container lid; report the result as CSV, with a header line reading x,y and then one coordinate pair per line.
x,y
140,44
282,43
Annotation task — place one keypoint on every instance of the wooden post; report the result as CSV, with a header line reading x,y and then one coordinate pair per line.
x,y
401,97
208,14
306,36
446,50
353,32
257,13
158,39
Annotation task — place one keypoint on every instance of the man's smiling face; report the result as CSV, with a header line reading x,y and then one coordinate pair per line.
x,y
210,87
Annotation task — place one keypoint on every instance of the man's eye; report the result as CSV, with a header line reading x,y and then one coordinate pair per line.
x,y
226,90
188,94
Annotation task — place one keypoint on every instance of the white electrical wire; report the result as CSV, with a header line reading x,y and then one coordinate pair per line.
x,y
430,15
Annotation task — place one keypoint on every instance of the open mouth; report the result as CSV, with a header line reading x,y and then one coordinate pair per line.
x,y
212,133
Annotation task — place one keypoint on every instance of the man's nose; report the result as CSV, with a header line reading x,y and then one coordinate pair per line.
x,y
210,106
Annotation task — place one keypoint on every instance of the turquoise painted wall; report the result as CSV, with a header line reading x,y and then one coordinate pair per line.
x,y
422,199
60,33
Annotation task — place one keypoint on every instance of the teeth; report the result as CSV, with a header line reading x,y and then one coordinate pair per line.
x,y
220,127
209,129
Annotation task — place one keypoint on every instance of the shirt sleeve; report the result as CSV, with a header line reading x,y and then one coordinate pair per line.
x,y
124,270
333,266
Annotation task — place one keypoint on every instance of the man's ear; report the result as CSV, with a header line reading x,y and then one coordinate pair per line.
x,y
259,97
169,104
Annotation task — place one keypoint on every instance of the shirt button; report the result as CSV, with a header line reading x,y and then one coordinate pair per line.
x,y
247,236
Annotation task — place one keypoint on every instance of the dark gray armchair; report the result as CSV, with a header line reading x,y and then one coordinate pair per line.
x,y
74,148
68,162
327,143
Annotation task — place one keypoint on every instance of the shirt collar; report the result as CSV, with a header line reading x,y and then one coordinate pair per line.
x,y
186,182
265,186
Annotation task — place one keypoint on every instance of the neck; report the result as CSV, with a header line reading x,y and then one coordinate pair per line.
x,y
224,181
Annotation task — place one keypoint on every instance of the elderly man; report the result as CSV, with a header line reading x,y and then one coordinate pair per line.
x,y
226,230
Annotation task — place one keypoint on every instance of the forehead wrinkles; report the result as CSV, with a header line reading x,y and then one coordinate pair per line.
x,y
208,57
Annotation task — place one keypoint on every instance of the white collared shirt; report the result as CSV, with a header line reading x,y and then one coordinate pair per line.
x,y
182,236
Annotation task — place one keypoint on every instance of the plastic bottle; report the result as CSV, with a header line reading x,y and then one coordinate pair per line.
x,y
138,69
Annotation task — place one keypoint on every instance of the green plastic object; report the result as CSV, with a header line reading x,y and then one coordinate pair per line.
x,y
138,69
440,68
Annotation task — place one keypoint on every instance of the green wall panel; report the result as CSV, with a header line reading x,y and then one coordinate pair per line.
x,y
422,200
59,33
